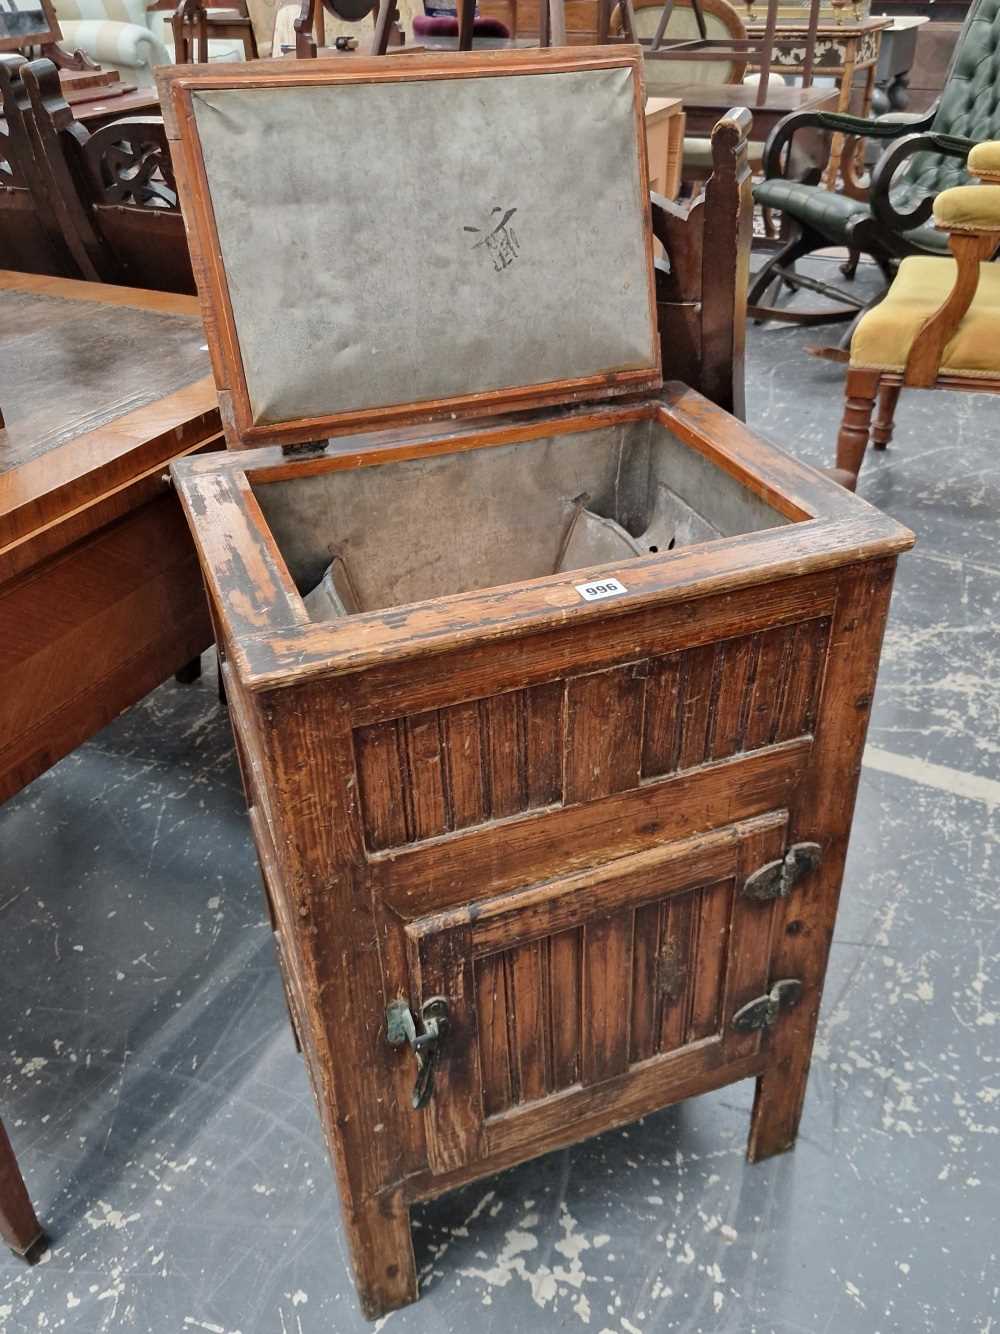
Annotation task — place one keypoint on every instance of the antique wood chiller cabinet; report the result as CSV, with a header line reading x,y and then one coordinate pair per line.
x,y
550,681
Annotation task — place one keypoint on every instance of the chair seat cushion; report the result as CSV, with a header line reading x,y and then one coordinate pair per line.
x,y
829,213
698,154
820,209
884,336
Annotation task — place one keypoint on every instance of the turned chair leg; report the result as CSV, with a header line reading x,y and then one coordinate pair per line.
x,y
19,1227
859,403
888,396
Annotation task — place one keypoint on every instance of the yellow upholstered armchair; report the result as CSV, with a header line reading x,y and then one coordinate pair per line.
x,y
938,326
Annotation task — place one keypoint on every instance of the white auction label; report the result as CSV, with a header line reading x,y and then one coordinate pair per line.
x,y
600,588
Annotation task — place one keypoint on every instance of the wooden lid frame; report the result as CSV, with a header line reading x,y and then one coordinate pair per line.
x,y
179,88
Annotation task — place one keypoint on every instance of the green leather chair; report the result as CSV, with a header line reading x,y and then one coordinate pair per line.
x,y
924,157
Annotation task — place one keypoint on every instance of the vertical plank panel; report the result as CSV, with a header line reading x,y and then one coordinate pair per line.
x,y
544,730
424,785
564,1007
709,965
661,724
462,739
504,750
645,1028
750,940
699,668
736,666
527,1000
607,992
381,786
453,1118
603,732
675,970
494,1051
801,694
772,661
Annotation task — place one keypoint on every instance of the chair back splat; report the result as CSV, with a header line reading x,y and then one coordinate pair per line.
x,y
114,190
31,240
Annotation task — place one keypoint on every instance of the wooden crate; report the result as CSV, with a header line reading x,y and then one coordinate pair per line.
x,y
552,795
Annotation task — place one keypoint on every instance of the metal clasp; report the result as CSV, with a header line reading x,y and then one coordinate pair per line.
x,y
777,879
762,1012
401,1028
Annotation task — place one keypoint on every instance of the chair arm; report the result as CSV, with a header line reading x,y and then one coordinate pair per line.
x,y
969,208
112,43
882,207
835,122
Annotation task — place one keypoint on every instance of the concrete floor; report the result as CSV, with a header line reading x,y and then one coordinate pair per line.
x,y
168,1134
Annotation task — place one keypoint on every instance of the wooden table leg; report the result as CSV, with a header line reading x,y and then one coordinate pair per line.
x,y
19,1227
844,105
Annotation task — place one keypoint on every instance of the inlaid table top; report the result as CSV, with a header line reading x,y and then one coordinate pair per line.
x,y
97,384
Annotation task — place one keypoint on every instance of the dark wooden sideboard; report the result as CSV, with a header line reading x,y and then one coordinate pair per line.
x,y
100,596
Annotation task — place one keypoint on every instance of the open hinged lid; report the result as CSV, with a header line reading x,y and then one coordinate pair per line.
x,y
417,236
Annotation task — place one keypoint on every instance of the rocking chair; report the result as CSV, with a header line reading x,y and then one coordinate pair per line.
x,y
924,157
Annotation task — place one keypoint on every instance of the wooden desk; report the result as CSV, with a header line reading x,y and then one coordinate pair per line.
x,y
705,103
100,597
665,144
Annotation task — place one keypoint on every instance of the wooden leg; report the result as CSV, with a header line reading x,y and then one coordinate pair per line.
x,y
189,673
859,402
19,1227
777,1110
837,141
888,396
378,1233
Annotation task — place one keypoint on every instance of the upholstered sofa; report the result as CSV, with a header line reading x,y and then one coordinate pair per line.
x,y
115,33
126,36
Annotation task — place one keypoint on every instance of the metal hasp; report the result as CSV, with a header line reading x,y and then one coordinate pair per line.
x,y
762,1012
777,879
400,1027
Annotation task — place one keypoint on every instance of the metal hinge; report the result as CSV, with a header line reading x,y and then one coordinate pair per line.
x,y
762,1012
305,447
777,879
400,1027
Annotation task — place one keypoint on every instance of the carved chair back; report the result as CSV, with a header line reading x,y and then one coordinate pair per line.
x,y
115,190
701,285
31,239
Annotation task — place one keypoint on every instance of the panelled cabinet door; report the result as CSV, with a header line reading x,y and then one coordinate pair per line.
x,y
592,988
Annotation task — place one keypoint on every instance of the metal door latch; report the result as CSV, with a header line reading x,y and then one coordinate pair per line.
x,y
400,1027
762,1012
777,879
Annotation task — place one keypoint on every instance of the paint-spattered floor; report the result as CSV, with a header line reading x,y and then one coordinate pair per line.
x,y
165,1124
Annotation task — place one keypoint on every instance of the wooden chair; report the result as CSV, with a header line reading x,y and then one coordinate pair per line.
x,y
938,326
721,21
113,191
921,159
19,1227
194,26
31,240
701,286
